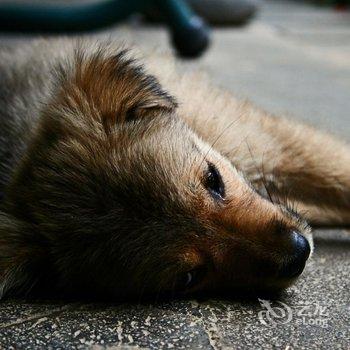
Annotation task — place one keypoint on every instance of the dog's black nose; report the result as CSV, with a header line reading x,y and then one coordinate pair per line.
x,y
295,264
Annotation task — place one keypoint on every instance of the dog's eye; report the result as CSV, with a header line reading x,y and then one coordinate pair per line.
x,y
213,182
191,278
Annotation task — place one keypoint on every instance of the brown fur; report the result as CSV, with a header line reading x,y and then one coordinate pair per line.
x,y
106,192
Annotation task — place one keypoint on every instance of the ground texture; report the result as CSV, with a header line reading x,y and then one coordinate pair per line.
x,y
293,59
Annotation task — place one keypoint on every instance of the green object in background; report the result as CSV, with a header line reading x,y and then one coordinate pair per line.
x,y
63,17
189,34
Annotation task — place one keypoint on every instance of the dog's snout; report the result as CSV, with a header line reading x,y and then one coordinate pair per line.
x,y
295,264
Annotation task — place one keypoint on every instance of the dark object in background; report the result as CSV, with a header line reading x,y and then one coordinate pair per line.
x,y
338,4
216,12
189,34
225,12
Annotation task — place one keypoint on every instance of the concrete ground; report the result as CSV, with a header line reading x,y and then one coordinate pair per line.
x,y
295,59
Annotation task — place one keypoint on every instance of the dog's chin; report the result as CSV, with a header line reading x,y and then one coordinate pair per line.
x,y
273,289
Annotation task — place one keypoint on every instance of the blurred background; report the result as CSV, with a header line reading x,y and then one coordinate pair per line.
x,y
290,57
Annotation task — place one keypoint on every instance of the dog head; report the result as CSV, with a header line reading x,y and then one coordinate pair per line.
x,y
116,196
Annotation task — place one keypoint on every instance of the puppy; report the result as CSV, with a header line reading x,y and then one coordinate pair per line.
x,y
122,181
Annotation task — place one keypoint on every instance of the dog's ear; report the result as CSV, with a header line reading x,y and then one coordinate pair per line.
x,y
21,254
112,89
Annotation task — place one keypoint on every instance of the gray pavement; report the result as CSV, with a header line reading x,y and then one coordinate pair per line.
x,y
293,59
